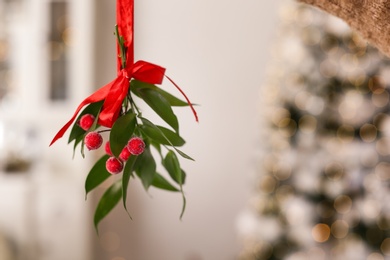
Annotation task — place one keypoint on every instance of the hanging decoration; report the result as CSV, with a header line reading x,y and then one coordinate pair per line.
x,y
112,109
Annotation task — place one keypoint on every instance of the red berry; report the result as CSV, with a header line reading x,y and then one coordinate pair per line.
x,y
93,140
107,148
125,154
136,146
86,121
113,165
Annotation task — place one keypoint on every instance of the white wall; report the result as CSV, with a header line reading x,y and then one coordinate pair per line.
x,y
217,52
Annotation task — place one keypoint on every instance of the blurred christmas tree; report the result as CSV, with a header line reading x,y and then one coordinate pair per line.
x,y
324,174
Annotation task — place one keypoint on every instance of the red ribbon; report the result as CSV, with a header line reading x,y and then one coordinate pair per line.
x,y
115,92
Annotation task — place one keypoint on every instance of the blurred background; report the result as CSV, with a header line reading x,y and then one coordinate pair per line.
x,y
323,172
292,149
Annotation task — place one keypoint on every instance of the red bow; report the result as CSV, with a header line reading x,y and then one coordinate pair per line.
x,y
115,92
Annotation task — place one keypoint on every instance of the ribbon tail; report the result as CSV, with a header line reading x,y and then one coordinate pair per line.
x,y
113,102
185,96
95,97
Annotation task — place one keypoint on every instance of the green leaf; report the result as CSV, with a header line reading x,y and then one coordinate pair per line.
x,y
161,106
121,132
127,173
182,154
184,176
76,131
122,48
147,122
107,202
160,182
76,142
146,168
162,135
137,85
184,204
97,175
171,163
156,146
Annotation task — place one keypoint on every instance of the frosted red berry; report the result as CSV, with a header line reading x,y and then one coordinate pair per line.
x,y
136,146
113,165
125,154
93,140
86,121
107,148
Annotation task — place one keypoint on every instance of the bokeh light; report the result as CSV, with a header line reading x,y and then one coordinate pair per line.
x,y
321,233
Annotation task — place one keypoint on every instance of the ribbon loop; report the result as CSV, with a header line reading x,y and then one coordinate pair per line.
x,y
147,72
113,100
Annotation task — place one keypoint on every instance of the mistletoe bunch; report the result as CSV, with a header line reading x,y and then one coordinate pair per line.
x,y
132,137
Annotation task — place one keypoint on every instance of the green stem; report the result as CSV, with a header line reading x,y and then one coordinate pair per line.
x,y
126,104
133,105
121,47
102,131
